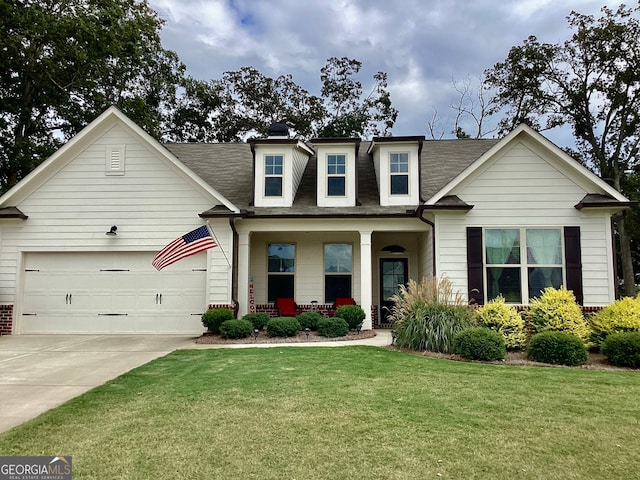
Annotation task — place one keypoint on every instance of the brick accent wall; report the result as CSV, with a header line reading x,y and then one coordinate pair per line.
x,y
6,319
233,307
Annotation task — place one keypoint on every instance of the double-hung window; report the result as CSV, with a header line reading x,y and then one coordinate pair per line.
x,y
273,170
399,173
336,175
521,262
338,265
280,270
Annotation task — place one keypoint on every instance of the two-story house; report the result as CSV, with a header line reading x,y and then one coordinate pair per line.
x,y
310,220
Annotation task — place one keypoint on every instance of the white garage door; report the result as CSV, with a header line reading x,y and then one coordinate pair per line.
x,y
116,292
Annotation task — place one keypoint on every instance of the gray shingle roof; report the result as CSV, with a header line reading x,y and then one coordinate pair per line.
x,y
228,168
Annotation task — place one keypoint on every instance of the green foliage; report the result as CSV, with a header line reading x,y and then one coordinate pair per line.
x,y
480,343
236,328
258,320
64,62
621,316
213,318
333,327
348,112
353,314
283,327
623,349
432,327
427,315
309,320
557,310
504,319
546,85
559,348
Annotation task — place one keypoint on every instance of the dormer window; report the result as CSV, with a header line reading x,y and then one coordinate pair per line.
x,y
273,170
336,175
399,171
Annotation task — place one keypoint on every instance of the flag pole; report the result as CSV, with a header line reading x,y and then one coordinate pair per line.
x,y
213,234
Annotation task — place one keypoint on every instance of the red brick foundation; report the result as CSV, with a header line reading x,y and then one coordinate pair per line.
x,y
6,319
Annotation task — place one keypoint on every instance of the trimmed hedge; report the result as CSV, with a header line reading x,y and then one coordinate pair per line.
x,y
213,318
480,343
622,349
258,320
353,314
557,310
558,348
504,319
623,315
236,328
333,327
283,327
309,320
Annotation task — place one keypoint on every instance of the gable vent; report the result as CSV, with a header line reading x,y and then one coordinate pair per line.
x,y
114,164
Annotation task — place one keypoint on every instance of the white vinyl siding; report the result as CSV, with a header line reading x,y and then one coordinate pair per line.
x,y
342,150
521,189
151,205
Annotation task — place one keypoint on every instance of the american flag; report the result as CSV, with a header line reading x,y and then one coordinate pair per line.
x,y
196,241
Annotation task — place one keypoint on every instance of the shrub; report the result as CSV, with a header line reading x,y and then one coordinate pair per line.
x,y
283,327
432,327
309,320
557,310
213,318
427,315
258,320
236,328
353,314
480,343
504,319
333,327
621,316
622,349
560,348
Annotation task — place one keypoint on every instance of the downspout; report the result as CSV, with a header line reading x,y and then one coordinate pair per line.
x,y
419,212
234,261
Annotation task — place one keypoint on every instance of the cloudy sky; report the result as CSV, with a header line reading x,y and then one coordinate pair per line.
x,y
423,45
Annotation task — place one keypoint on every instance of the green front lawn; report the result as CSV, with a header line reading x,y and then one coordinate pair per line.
x,y
343,413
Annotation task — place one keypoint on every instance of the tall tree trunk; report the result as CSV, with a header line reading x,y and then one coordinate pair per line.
x,y
624,257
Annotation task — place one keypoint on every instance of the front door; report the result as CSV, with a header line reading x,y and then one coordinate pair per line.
x,y
393,273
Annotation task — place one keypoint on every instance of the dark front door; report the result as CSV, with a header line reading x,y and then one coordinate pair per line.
x,y
393,273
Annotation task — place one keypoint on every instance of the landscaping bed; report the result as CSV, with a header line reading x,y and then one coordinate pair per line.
x,y
300,338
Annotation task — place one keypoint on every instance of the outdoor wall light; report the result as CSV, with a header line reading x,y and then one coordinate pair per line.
x,y
112,231
394,249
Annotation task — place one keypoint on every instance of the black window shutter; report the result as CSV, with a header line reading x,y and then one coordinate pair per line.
x,y
475,276
573,258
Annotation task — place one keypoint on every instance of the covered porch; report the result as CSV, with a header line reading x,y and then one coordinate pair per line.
x,y
316,260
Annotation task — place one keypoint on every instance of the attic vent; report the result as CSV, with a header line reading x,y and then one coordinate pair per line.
x,y
114,162
278,130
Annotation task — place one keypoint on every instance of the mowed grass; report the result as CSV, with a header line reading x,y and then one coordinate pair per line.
x,y
343,413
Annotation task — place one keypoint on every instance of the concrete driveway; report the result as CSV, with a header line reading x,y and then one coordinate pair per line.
x,y
39,372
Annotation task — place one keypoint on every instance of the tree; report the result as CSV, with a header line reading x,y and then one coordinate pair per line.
x,y
472,110
64,62
251,101
348,113
591,82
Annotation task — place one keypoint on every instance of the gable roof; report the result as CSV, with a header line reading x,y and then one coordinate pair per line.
x,y
79,142
617,200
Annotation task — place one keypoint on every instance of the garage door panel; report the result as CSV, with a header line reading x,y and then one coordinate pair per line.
x,y
116,292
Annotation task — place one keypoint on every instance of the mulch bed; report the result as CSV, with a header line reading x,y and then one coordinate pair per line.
x,y
595,361
300,338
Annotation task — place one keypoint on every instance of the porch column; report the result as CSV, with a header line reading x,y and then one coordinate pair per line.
x,y
243,274
366,278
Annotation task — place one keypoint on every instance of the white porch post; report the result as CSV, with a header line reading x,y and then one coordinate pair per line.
x,y
365,278
243,274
